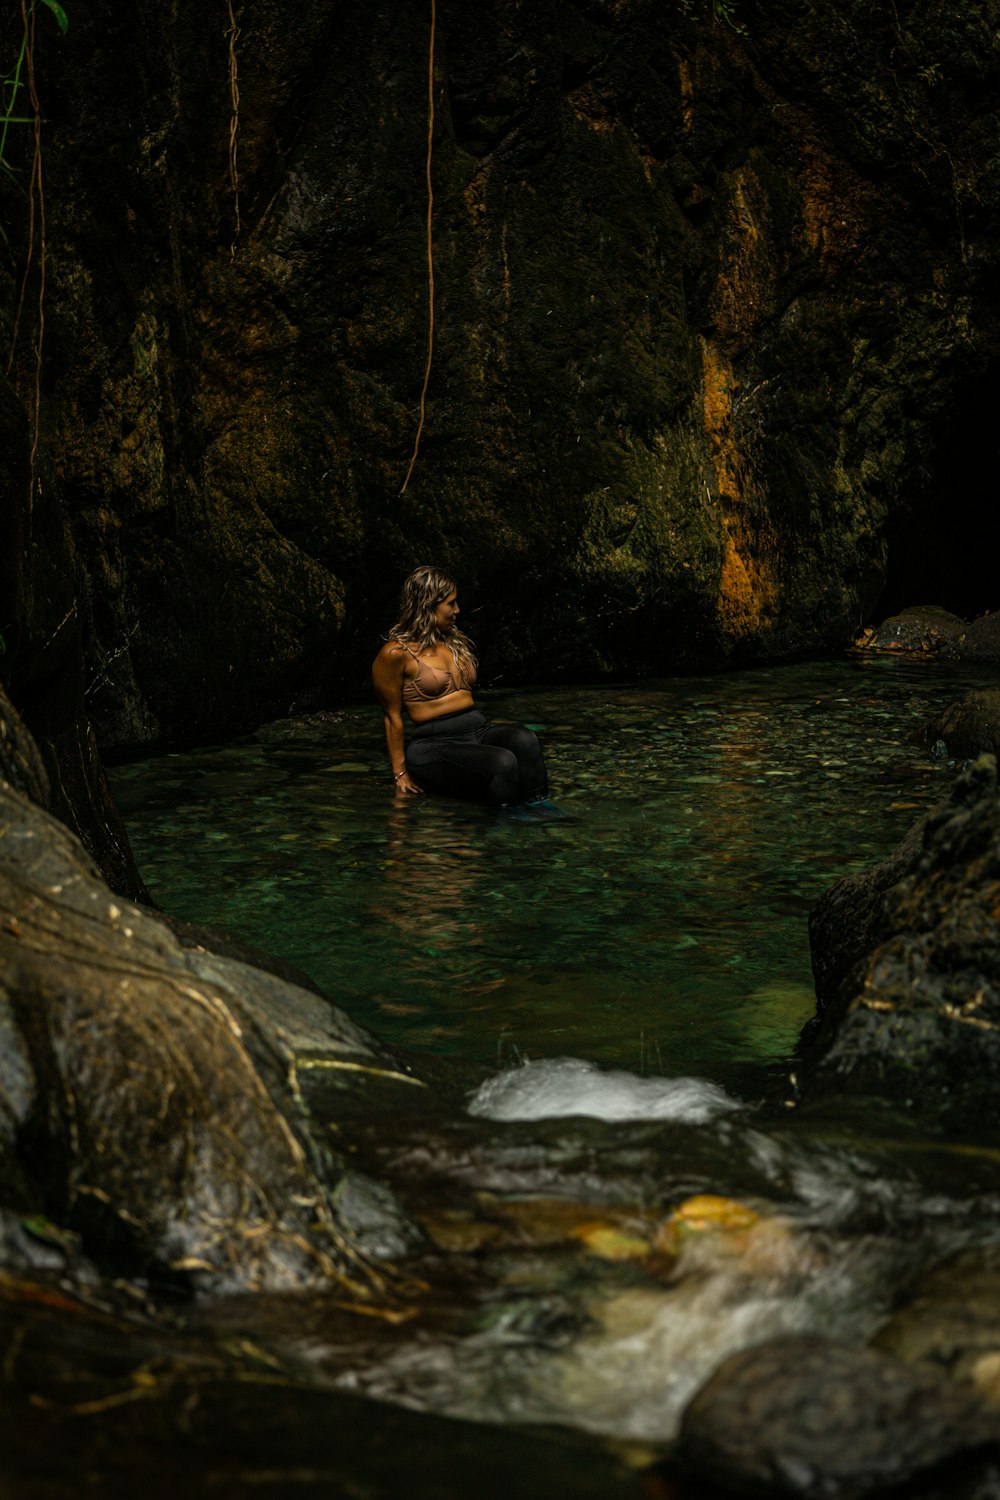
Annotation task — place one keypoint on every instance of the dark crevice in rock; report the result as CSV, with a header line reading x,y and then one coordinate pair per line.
x,y
941,547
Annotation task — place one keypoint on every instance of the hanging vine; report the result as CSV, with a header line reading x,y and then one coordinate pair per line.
x,y
23,77
234,122
12,84
430,247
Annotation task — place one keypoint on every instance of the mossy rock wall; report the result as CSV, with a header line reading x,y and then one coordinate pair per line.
x,y
706,300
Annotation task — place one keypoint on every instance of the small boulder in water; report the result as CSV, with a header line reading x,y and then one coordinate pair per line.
x,y
981,641
808,1417
970,726
923,629
563,1086
951,1321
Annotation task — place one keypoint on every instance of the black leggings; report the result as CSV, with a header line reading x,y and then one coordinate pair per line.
x,y
465,756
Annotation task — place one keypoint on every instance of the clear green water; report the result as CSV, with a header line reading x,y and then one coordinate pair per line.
x,y
664,931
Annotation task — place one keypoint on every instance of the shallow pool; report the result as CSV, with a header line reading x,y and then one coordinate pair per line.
x,y
664,930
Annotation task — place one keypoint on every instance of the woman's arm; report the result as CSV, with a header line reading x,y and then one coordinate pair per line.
x,y
388,676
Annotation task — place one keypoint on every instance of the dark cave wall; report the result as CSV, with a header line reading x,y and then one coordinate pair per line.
x,y
704,302
41,663
940,540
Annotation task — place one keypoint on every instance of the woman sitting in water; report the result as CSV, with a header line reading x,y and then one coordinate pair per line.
x,y
428,667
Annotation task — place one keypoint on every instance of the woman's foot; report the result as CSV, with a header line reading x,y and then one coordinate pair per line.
x,y
538,809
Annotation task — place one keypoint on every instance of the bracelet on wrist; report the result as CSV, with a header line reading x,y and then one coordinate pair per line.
x,y
401,773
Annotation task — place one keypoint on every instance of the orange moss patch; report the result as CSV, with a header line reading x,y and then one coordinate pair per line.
x,y
611,1242
718,382
17,1290
746,591
746,586
474,194
836,210
817,185
714,1232
459,1233
748,257
708,1211
687,93
837,207
506,266
588,108
607,1233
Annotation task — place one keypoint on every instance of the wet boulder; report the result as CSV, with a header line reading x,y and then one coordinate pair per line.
x,y
152,1092
981,641
812,1418
52,755
93,1404
951,1321
970,726
846,923
20,762
923,628
908,966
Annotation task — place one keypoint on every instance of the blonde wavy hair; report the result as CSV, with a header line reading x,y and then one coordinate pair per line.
x,y
421,594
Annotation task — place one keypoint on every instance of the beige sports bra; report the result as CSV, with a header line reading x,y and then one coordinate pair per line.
x,y
430,682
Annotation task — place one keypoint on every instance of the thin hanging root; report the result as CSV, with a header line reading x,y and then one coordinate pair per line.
x,y
157,1386
37,419
36,206
13,1353
386,1313
234,123
29,253
430,247
104,1403
306,1063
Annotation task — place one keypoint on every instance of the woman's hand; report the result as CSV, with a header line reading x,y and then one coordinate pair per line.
x,y
388,675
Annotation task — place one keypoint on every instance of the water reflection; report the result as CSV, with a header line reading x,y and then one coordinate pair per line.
x,y
430,907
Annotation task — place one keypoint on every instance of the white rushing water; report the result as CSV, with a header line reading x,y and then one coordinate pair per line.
x,y
642,1350
561,1086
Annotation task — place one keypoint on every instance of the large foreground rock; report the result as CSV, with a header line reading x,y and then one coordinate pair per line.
x,y
149,1095
907,963
90,1406
808,1417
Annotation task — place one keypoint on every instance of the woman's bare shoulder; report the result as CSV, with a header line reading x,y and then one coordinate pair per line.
x,y
391,651
392,658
